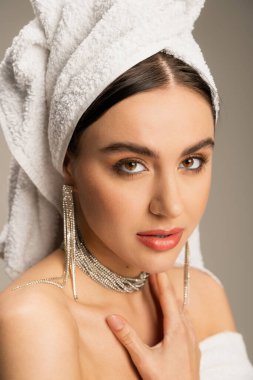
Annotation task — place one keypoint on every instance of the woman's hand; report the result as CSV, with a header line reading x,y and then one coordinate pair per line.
x,y
177,356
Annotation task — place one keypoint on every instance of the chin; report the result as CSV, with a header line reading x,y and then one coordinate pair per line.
x,y
160,265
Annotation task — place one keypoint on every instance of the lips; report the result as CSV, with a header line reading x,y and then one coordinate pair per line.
x,y
160,240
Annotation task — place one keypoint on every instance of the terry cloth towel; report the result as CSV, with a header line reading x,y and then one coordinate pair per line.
x,y
56,67
224,357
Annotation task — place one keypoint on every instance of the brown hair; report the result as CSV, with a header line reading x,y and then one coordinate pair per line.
x,y
159,70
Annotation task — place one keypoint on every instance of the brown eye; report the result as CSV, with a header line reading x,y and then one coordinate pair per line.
x,y
192,163
188,162
131,165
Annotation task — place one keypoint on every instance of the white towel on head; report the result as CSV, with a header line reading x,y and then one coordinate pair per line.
x,y
56,67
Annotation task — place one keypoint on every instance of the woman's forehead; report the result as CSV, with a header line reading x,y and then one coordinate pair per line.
x,y
175,115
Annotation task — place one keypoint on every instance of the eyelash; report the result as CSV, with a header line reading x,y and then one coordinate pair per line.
x,y
117,167
203,161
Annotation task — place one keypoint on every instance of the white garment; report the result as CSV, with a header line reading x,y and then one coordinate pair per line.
x,y
224,357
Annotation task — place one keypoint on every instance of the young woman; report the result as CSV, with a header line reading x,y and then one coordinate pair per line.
x,y
136,174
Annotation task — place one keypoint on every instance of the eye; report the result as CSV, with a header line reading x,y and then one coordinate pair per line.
x,y
193,163
129,167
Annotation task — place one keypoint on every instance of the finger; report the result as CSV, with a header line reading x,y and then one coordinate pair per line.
x,y
128,338
154,284
189,326
168,302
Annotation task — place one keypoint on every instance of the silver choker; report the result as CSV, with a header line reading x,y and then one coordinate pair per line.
x,y
88,263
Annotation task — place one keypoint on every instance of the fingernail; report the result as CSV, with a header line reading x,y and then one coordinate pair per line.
x,y
115,322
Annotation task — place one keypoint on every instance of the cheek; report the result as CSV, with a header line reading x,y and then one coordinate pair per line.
x,y
196,196
104,200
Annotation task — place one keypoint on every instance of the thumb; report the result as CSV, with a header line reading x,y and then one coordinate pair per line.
x,y
128,338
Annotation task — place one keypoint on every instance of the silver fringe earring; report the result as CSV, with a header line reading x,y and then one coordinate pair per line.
x,y
186,275
69,234
69,247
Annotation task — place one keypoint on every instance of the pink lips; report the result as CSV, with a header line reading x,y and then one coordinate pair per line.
x,y
160,240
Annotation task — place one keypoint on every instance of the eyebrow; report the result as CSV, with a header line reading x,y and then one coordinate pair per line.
x,y
145,151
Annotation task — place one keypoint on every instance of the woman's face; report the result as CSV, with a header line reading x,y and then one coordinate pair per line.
x,y
145,165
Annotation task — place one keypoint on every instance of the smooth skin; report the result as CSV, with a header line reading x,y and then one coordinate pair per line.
x,y
45,334
179,344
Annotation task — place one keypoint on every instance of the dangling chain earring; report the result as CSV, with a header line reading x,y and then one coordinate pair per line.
x,y
69,234
186,275
69,247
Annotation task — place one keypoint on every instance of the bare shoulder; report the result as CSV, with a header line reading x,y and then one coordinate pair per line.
x,y
39,318
208,306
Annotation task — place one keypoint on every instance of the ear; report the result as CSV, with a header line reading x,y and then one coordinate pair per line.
x,y
68,170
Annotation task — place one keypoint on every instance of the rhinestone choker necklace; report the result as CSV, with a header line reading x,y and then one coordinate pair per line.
x,y
88,263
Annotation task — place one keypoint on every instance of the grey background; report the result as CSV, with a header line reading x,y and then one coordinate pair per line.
x,y
225,33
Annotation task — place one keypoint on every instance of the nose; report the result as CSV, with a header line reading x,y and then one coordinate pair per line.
x,y
166,198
